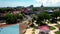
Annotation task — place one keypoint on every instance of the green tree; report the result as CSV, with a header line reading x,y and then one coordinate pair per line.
x,y
19,16
56,14
2,10
42,17
10,18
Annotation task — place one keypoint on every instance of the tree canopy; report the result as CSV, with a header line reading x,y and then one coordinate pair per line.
x,y
10,18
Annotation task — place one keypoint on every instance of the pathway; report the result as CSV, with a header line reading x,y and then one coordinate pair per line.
x,y
52,31
29,31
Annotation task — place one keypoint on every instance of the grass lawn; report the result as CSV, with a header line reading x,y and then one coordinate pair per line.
x,y
58,25
52,28
58,32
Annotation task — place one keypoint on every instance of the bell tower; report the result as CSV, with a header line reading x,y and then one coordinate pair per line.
x,y
42,7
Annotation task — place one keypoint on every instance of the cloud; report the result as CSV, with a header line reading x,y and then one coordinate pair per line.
x,y
48,2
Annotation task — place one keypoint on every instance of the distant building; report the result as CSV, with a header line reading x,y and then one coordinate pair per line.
x,y
42,8
27,11
2,17
31,6
36,12
16,12
50,11
57,9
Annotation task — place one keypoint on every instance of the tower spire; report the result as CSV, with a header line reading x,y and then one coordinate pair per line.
x,y
42,5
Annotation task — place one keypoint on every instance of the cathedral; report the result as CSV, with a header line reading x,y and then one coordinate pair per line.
x,y
42,8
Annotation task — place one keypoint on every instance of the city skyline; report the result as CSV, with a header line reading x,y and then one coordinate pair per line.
x,y
25,3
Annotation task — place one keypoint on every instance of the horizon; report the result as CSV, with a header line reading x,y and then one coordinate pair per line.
x,y
25,3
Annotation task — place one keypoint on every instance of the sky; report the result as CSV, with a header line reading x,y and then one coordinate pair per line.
x,y
25,3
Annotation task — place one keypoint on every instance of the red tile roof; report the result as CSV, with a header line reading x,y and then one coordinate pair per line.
x,y
45,28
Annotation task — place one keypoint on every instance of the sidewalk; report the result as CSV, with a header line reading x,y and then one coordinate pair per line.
x,y
52,31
